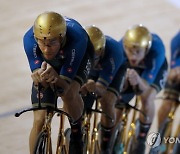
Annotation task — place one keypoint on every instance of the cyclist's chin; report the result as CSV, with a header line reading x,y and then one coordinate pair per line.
x,y
134,63
49,57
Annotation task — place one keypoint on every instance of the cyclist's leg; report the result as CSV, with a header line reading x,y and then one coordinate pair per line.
x,y
73,104
171,91
108,102
125,97
107,125
47,97
148,108
36,129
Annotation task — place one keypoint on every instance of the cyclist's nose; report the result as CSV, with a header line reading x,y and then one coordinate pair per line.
x,y
47,49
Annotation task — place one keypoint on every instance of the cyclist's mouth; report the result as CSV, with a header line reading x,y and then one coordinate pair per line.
x,y
133,62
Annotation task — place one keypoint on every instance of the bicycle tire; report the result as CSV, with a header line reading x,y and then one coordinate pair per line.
x,y
176,149
85,141
67,134
118,147
41,146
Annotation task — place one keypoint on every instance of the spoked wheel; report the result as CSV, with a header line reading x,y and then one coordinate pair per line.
x,y
41,146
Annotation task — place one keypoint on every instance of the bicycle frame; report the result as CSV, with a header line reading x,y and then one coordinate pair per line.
x,y
123,133
124,138
61,141
168,130
87,132
61,144
91,136
95,147
132,128
47,128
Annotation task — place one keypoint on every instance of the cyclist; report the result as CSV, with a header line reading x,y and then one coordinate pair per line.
x,y
56,50
172,87
104,79
145,75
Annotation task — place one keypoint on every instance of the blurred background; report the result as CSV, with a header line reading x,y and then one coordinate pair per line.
x,y
17,16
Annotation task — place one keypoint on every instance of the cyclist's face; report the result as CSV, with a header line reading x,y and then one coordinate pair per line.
x,y
49,47
135,55
97,58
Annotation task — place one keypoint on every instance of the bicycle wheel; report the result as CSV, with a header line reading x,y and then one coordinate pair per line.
x,y
85,142
176,149
41,146
133,138
118,147
67,134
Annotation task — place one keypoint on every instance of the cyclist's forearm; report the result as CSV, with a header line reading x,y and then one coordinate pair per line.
x,y
62,84
143,86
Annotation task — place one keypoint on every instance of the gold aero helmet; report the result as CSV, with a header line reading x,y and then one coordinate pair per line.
x,y
138,36
49,25
97,39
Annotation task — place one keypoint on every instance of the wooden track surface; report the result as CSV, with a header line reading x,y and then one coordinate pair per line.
x,y
112,16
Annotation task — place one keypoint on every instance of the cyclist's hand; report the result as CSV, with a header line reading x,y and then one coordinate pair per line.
x,y
36,75
91,85
133,77
84,90
49,75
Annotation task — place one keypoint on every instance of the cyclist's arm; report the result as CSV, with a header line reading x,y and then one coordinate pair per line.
x,y
110,67
32,51
143,86
154,62
76,49
175,51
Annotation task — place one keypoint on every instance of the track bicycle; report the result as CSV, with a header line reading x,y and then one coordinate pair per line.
x,y
43,144
90,126
166,130
125,138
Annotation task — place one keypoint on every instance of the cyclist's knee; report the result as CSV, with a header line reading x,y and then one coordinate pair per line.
x,y
108,100
72,92
148,98
165,108
174,75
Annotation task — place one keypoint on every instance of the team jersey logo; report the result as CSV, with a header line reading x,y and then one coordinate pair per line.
x,y
69,70
150,76
41,95
36,62
61,52
111,77
172,63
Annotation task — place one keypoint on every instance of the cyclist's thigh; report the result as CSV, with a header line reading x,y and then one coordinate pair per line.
x,y
172,88
39,116
47,97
